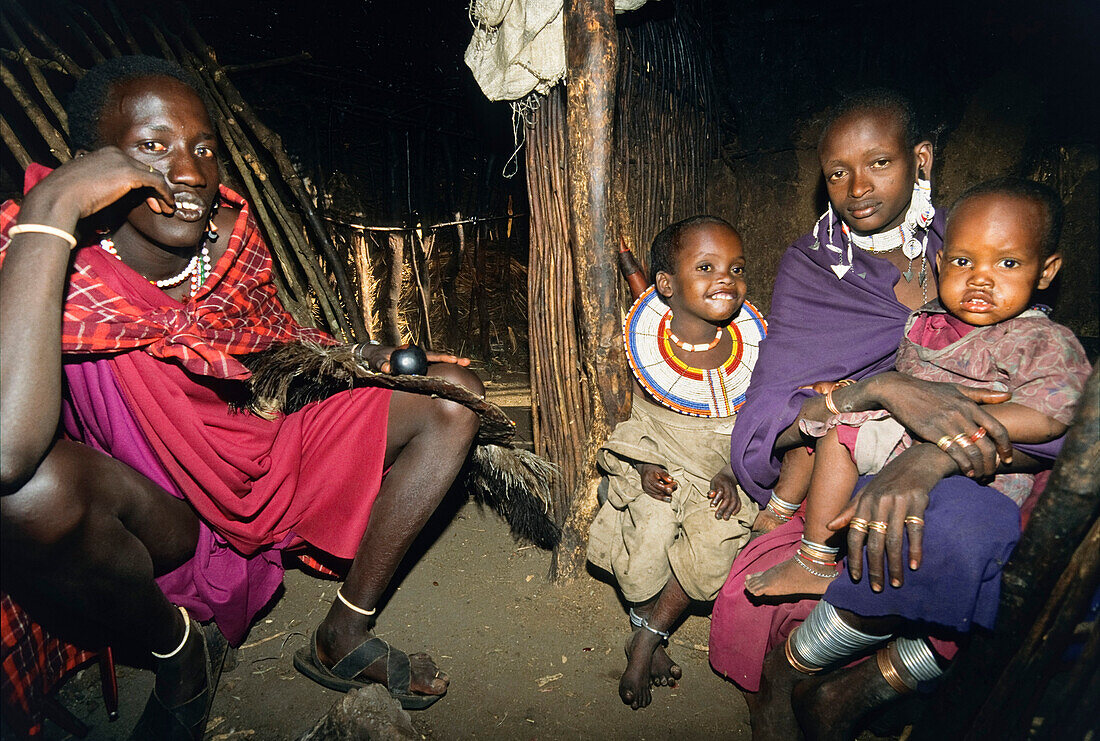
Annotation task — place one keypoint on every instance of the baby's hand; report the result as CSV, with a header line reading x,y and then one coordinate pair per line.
x,y
656,482
821,387
723,494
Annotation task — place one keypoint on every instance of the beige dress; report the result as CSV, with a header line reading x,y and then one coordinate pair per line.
x,y
641,540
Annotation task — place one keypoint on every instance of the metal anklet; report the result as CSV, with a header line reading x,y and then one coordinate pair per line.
x,y
917,657
640,622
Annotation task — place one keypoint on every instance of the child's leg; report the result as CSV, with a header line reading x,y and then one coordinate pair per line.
x,y
794,481
834,477
663,671
647,642
814,566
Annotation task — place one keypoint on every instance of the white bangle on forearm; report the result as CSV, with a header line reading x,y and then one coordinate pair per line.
x,y
43,229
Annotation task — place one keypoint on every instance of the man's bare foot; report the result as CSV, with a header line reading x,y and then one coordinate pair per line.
x,y
634,685
787,578
770,712
425,677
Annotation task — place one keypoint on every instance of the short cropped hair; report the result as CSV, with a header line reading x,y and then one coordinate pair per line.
x,y
666,245
878,99
1039,193
93,91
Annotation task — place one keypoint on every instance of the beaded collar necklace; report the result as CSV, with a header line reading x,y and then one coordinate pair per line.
x,y
698,392
198,269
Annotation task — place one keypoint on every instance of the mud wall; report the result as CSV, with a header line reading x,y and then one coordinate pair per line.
x,y
999,90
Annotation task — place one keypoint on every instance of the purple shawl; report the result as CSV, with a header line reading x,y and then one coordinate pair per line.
x,y
819,329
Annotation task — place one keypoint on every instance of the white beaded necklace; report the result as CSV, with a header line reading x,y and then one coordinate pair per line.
x,y
701,347
198,269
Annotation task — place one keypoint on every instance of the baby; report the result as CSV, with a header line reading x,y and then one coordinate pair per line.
x,y
674,517
999,249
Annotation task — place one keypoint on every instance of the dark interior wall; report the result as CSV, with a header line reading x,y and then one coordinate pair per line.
x,y
1003,88
384,99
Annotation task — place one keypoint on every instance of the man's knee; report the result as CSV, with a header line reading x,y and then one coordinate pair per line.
x,y
454,416
458,375
54,503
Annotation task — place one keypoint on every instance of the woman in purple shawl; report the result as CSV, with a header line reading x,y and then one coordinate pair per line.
x,y
838,310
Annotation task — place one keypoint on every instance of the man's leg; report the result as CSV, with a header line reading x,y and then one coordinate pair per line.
x,y
427,441
82,542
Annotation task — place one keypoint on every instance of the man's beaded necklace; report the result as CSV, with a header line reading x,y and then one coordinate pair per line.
x,y
198,269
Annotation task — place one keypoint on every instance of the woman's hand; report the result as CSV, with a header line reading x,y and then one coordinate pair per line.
x,y
723,494
90,183
377,357
656,482
946,414
897,496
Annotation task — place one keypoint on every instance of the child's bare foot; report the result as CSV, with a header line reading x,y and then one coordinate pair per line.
x,y
663,671
787,578
634,685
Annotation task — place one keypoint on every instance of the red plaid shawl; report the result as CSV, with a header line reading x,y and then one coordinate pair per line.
x,y
235,312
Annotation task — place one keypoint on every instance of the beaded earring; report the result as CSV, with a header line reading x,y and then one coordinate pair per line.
x,y
211,227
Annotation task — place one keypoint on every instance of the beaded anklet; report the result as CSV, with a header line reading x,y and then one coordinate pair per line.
x,y
811,554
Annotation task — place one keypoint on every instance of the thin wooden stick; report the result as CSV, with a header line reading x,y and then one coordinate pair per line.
x,y
12,142
43,87
58,147
112,49
59,55
123,28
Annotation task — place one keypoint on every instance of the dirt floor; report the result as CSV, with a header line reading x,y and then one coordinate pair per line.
x,y
527,659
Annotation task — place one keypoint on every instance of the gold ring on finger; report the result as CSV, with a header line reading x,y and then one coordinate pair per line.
x,y
944,443
858,523
962,440
878,526
978,435
914,521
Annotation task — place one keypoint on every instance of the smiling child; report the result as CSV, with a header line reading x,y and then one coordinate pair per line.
x,y
674,517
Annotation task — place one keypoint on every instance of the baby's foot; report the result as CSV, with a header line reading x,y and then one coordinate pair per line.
x,y
663,671
765,522
787,578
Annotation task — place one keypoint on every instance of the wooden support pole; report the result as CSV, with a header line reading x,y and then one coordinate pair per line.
x,y
559,412
591,55
984,696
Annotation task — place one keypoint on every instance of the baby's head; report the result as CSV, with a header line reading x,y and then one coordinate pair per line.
x,y
871,152
999,248
698,266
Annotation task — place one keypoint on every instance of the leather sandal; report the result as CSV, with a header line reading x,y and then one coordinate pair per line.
x,y
342,677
